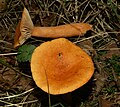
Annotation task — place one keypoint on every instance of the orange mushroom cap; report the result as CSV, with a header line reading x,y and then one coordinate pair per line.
x,y
61,65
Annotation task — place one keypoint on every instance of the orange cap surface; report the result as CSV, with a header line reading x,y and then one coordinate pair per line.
x,y
60,65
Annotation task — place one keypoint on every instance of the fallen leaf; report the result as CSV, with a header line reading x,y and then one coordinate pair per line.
x,y
3,5
100,82
103,102
112,50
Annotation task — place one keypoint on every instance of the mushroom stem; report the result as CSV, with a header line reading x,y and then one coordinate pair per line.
x,y
68,30
67,98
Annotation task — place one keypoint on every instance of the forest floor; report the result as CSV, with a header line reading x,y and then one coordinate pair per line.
x,y
17,88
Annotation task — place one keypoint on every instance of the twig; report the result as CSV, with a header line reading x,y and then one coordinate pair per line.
x,y
6,64
84,9
49,98
76,10
5,102
58,104
17,105
2,41
8,54
12,96
98,34
107,49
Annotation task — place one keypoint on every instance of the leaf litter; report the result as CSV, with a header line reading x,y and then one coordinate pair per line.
x,y
102,44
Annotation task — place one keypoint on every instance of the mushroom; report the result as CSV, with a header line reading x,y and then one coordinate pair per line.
x,y
27,29
59,66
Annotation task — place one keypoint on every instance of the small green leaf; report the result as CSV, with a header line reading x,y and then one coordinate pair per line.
x,y
25,53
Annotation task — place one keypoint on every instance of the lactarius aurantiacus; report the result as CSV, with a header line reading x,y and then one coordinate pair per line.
x,y
26,29
60,66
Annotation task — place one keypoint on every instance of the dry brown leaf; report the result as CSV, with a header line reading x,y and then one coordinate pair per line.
x,y
87,45
103,102
100,82
112,50
3,5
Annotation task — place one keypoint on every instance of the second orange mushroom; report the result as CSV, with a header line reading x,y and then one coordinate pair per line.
x,y
26,29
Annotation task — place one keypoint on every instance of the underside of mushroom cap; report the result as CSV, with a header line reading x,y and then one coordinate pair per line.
x,y
23,29
60,65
